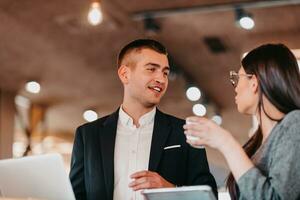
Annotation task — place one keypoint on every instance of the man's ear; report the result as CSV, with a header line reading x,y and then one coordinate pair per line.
x,y
124,73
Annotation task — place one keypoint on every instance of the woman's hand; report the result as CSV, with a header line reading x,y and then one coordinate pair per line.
x,y
212,135
208,133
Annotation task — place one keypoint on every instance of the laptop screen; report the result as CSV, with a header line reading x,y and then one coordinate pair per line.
x,y
41,177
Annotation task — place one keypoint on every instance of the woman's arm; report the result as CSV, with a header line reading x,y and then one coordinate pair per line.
x,y
212,135
281,180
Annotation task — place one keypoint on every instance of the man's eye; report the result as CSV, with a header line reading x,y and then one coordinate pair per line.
x,y
166,73
151,69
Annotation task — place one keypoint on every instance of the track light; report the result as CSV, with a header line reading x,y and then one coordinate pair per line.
x,y
150,25
244,19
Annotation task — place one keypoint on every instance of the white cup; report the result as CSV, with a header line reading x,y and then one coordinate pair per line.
x,y
193,138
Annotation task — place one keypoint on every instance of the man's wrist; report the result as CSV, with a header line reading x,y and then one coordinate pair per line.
x,y
170,185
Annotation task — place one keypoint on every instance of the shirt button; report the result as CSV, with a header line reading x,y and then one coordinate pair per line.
x,y
133,151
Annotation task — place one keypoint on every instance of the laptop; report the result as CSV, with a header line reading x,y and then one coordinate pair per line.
x,y
202,192
39,177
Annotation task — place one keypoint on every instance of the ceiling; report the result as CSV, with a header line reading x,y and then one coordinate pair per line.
x,y
51,41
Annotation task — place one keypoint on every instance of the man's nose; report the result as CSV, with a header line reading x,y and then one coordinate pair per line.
x,y
160,78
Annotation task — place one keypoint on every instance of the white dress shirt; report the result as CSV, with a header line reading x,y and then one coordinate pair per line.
x,y
132,152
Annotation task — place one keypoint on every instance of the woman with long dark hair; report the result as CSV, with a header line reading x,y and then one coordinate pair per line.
x,y
268,165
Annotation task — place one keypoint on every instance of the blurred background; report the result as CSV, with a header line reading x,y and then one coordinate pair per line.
x,y
58,63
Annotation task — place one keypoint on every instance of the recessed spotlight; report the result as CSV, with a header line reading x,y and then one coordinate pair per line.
x,y
199,110
193,93
22,101
33,87
217,119
90,115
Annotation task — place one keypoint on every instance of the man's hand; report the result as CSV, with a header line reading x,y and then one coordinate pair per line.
x,y
147,179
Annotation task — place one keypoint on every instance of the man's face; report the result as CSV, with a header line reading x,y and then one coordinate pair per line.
x,y
147,77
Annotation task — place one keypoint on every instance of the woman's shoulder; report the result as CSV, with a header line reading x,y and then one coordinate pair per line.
x,y
292,117
291,125
286,137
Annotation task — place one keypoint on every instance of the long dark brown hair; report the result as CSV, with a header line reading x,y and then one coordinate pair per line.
x,y
277,72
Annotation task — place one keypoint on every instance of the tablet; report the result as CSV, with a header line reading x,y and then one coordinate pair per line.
x,y
202,192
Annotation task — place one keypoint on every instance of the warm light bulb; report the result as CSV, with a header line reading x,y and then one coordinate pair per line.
x,y
95,14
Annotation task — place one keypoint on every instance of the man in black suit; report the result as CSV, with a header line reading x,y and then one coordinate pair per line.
x,y
137,147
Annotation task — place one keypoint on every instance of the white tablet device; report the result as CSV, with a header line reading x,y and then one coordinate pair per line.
x,y
40,177
201,192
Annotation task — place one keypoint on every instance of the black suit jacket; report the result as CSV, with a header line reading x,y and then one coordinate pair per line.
x,y
92,164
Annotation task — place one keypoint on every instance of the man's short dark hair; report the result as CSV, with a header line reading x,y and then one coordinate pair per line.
x,y
141,44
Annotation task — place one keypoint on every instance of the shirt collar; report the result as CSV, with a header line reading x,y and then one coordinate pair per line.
x,y
146,119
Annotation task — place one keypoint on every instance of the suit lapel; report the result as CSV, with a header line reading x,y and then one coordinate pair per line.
x,y
107,135
160,135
